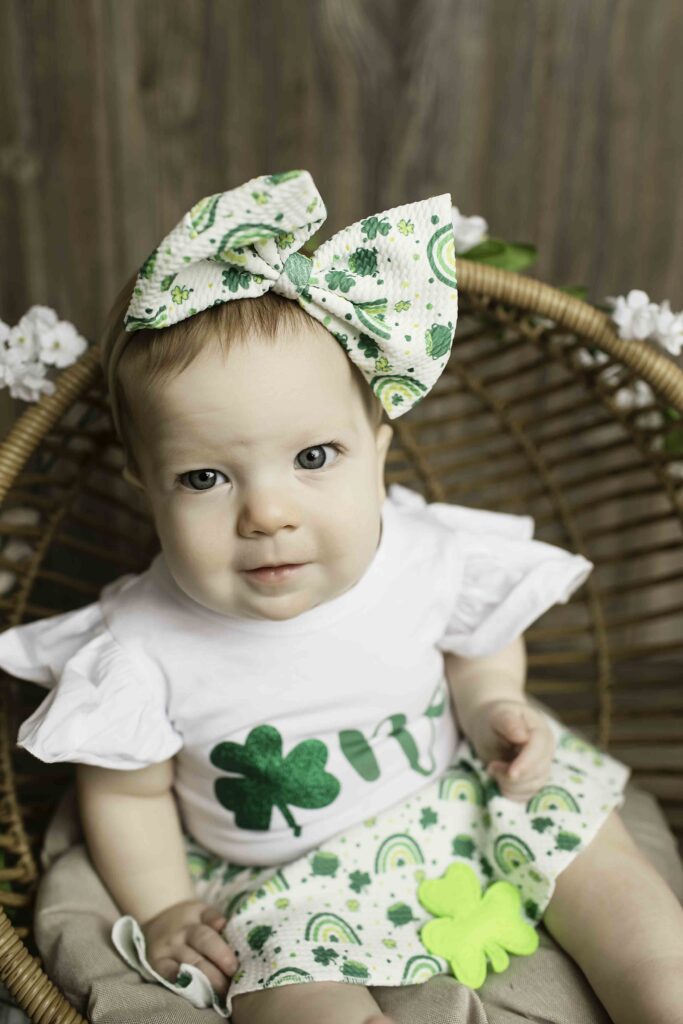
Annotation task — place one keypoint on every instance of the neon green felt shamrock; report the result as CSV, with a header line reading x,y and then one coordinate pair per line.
x,y
471,927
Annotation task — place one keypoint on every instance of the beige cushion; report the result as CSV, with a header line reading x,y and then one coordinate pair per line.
x,y
74,916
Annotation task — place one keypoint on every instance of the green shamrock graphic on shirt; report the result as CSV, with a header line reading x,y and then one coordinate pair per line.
x,y
269,780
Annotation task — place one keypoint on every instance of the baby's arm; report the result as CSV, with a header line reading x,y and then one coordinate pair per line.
x,y
476,681
132,828
512,738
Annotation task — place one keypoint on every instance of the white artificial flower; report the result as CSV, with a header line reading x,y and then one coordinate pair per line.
x,y
467,231
610,373
38,341
29,382
638,395
13,551
21,346
586,358
543,321
50,340
16,548
7,581
634,397
635,315
9,373
20,515
669,329
40,318
61,344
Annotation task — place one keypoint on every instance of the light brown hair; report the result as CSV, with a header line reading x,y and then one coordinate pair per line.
x,y
158,355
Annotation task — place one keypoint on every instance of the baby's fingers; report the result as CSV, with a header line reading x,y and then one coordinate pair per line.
x,y
169,967
203,939
166,966
522,789
214,918
216,977
535,755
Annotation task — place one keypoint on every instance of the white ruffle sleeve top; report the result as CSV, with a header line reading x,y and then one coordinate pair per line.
x,y
286,732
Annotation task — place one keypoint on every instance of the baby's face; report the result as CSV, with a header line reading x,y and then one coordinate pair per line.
x,y
238,462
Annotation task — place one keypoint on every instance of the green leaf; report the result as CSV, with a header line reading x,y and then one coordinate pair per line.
x,y
673,442
578,291
495,252
604,307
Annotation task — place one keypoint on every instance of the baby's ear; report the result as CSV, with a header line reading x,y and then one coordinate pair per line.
x,y
384,436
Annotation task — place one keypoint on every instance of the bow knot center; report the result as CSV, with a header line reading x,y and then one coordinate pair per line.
x,y
295,275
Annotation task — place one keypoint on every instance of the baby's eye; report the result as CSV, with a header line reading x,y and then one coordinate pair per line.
x,y
311,458
314,457
204,479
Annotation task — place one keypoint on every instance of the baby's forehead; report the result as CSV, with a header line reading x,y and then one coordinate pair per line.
x,y
302,386
308,369
171,423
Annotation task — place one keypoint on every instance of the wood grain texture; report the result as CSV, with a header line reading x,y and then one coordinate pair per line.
x,y
555,120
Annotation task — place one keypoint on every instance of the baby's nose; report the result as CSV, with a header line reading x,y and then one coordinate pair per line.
x,y
266,514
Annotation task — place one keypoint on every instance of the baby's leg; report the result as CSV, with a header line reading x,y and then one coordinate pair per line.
x,y
620,921
317,1002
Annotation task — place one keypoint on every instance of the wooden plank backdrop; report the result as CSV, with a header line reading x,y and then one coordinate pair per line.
x,y
557,120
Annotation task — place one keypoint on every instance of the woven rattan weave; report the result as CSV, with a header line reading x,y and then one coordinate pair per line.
x,y
524,419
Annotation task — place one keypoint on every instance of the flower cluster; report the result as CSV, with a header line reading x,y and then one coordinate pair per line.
x,y
15,549
27,351
634,315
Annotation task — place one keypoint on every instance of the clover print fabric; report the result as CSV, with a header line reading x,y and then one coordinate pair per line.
x,y
384,287
349,910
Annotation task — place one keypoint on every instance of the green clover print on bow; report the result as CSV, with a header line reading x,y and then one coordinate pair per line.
x,y
472,927
269,780
385,287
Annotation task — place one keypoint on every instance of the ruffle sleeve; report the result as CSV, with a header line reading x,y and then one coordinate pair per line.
x,y
103,709
499,580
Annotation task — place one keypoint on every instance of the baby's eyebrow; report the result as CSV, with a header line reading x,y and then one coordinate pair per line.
x,y
209,447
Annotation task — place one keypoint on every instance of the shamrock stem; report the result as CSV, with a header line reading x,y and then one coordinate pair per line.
x,y
290,820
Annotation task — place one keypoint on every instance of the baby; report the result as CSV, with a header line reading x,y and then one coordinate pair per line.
x,y
313,699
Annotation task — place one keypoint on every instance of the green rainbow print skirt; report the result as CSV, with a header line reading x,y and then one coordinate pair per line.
x,y
348,911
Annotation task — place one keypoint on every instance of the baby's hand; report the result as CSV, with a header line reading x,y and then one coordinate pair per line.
x,y
515,743
189,932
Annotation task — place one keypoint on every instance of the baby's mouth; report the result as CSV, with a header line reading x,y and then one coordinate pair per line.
x,y
274,573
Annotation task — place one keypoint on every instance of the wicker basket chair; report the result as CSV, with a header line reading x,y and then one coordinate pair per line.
x,y
524,419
